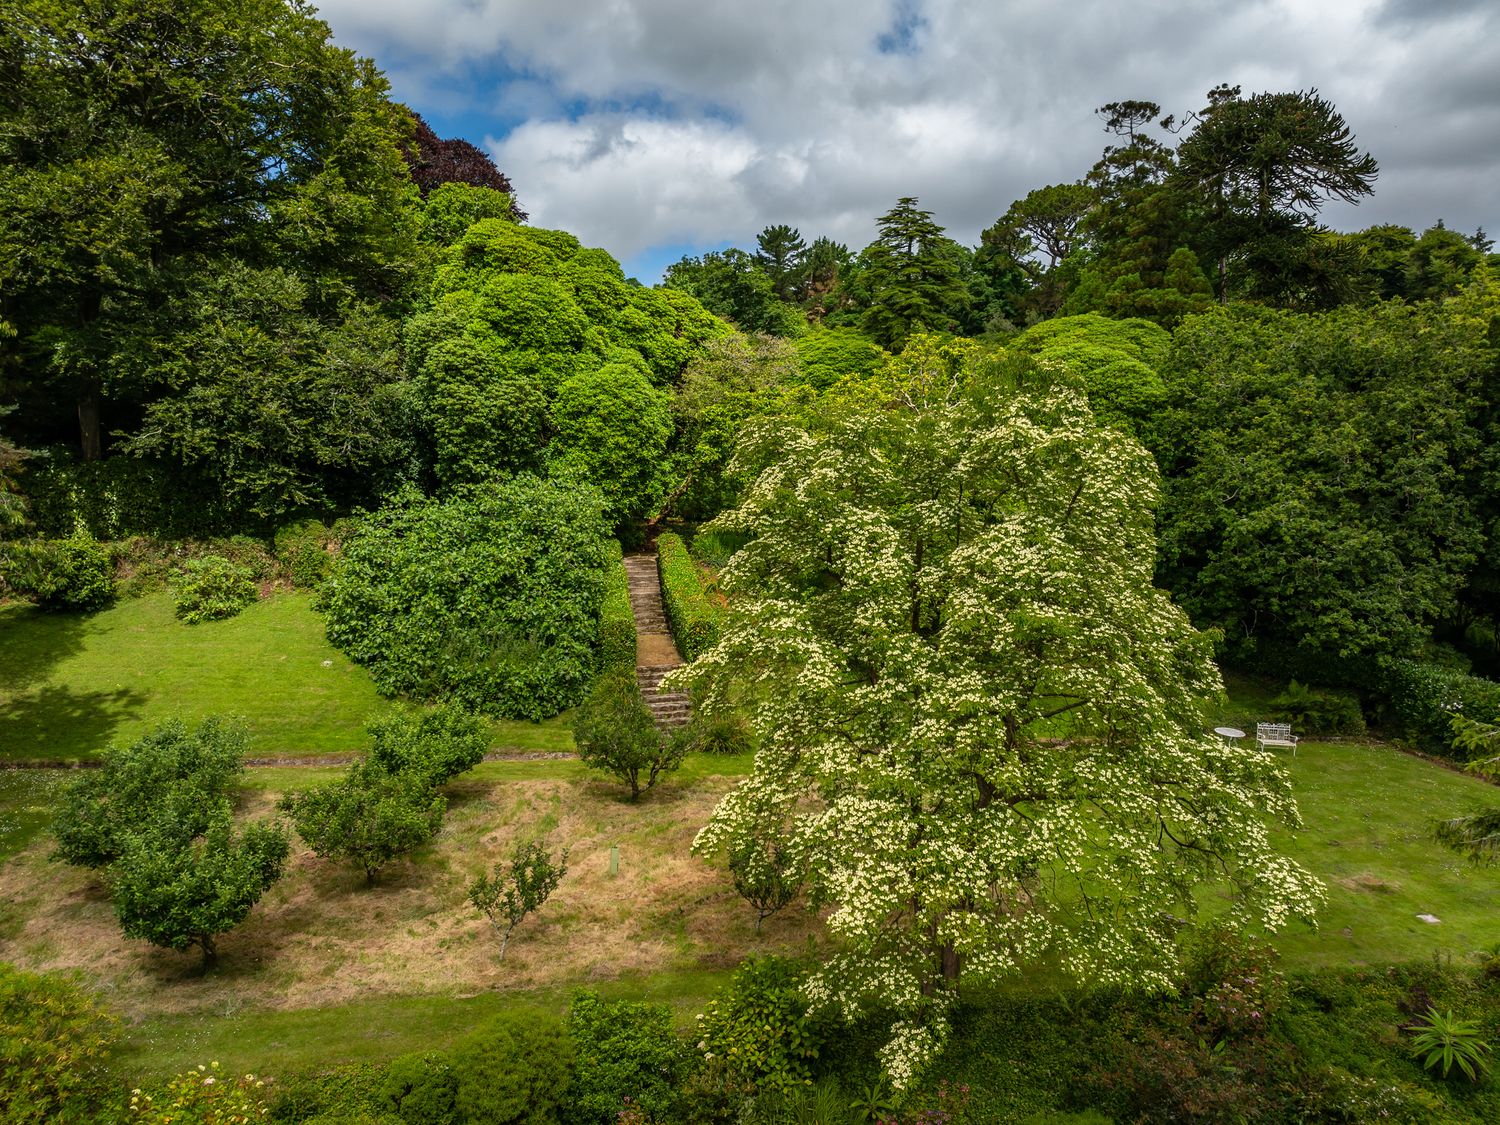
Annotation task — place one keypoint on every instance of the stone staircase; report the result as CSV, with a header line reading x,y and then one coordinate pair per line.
x,y
656,653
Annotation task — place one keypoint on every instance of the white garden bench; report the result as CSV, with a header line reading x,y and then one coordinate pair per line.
x,y
1275,734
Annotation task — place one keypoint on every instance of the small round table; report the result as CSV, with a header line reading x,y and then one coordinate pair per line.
x,y
1230,735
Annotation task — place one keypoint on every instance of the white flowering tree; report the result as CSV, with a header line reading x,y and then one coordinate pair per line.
x,y
982,717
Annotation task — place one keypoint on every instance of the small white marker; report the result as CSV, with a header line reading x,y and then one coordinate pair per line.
x,y
1430,919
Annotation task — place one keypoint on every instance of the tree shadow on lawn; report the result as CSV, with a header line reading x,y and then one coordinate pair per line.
x,y
55,722
33,643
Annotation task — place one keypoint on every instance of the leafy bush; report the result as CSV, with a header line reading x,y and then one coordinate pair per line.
x,y
1445,1042
179,775
1318,711
61,574
304,551
616,734
623,1050
719,734
514,1071
420,1089
489,598
512,891
53,1038
759,1029
213,588
616,619
369,816
716,547
613,427
693,617
1426,696
201,1097
436,745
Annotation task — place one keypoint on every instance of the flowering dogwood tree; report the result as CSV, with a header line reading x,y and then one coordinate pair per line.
x,y
984,719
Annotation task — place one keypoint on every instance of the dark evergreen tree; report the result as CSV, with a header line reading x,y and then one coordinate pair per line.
x,y
780,251
913,277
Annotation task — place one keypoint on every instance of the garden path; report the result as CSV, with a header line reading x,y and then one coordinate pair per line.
x,y
656,654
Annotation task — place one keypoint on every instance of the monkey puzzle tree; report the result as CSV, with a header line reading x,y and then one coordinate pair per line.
x,y
980,719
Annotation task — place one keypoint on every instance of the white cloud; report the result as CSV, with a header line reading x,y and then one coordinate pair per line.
x,y
703,122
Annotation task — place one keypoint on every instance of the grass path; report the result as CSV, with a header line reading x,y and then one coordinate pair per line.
x,y
70,684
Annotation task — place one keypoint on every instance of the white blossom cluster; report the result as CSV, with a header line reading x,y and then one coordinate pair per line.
x,y
979,721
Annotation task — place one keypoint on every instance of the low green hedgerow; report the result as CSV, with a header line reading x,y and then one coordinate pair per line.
x,y
694,618
616,619
1426,696
60,574
213,588
489,597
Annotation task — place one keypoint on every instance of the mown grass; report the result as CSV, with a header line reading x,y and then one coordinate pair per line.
x,y
71,684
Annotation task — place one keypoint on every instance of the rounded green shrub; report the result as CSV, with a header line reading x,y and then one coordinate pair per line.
x,y
436,745
514,1071
213,588
488,598
53,1038
61,574
303,549
420,1089
623,1050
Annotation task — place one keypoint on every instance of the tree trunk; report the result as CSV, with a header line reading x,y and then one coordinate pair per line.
x,y
210,954
952,963
90,439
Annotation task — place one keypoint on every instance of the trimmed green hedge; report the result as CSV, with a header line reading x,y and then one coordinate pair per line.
x,y
693,617
1426,696
616,619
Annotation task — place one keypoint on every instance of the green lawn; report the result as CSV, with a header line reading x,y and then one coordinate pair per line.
x,y
1367,811
70,684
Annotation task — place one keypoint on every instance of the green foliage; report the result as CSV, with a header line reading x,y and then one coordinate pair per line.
x,y
1117,360
213,588
420,1089
176,892
514,1071
513,890
202,1097
306,551
616,734
53,1039
736,286
369,817
435,745
831,354
489,598
1425,696
623,1050
720,733
169,775
1314,494
767,871
451,209
1319,711
759,1029
695,620
612,431
1443,1042
617,636
910,278
119,497
60,574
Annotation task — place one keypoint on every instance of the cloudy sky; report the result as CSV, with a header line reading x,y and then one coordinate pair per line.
x,y
655,128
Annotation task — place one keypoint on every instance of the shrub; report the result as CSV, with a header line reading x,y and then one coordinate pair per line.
x,y
201,1097
420,1089
61,574
693,617
758,1027
180,775
213,588
1445,1042
512,891
53,1038
719,734
303,549
514,1071
613,427
766,873
1317,711
489,598
369,816
616,619
436,746
717,547
1426,696
623,1050
616,734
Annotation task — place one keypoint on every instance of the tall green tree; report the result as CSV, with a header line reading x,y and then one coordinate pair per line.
x,y
144,143
979,720
911,277
780,252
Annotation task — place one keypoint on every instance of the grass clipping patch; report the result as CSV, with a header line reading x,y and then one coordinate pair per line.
x,y
320,938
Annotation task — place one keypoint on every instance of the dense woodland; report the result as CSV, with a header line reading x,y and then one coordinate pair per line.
x,y
982,526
